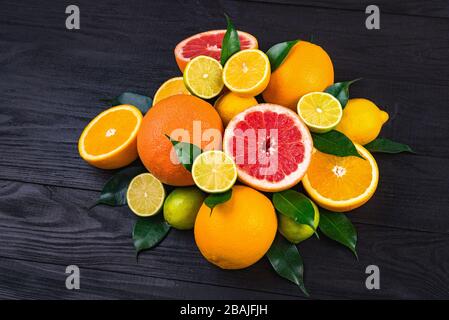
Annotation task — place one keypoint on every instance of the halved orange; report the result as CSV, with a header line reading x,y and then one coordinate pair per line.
x,y
341,183
170,88
109,141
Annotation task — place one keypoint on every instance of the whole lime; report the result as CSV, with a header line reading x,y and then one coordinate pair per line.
x,y
295,232
182,206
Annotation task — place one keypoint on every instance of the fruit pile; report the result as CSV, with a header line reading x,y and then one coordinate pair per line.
x,y
274,121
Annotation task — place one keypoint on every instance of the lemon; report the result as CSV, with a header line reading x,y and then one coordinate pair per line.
x,y
247,72
230,104
320,111
181,207
145,195
214,171
296,232
362,121
203,77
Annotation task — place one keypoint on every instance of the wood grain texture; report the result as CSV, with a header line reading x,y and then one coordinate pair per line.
x,y
50,225
434,8
51,80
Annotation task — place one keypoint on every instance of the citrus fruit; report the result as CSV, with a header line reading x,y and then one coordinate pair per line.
x,y
181,207
208,44
214,171
270,145
296,232
238,232
230,104
307,68
341,183
203,77
184,118
109,140
145,195
170,88
247,72
362,121
320,111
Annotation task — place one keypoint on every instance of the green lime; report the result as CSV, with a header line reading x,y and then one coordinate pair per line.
x,y
182,206
295,232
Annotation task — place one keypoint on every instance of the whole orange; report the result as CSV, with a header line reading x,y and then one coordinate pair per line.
x,y
172,116
238,232
307,68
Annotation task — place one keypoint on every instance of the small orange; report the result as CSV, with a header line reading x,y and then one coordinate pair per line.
x,y
238,232
307,68
341,183
109,141
172,116
170,88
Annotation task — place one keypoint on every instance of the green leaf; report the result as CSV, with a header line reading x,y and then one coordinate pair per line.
x,y
295,205
286,261
231,42
387,146
186,152
339,228
114,190
336,143
143,103
148,232
215,199
277,53
340,90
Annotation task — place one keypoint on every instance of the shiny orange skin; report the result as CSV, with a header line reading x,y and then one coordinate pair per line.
x,y
239,232
307,68
175,112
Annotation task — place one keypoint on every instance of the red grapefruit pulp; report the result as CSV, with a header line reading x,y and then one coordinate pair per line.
x,y
208,44
270,145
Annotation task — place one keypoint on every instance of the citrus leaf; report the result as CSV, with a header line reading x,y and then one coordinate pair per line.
x,y
339,228
295,205
340,90
148,232
336,143
231,42
277,53
186,152
214,199
387,146
143,103
114,190
287,262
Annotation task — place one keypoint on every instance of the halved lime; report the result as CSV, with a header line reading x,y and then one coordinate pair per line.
x,y
214,171
203,77
145,195
320,111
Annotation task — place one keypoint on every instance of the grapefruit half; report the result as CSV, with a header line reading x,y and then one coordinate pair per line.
x,y
208,44
270,145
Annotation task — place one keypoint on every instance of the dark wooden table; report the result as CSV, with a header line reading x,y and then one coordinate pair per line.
x,y
51,80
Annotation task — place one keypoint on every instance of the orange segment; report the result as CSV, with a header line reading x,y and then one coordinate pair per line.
x,y
109,141
341,183
170,88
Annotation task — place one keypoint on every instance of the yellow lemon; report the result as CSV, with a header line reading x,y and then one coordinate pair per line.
x,y
362,121
231,104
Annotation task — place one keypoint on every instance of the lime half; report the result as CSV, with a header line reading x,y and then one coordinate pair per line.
x,y
214,171
203,77
320,111
145,195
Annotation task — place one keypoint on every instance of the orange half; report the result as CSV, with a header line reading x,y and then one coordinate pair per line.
x,y
341,183
170,88
109,141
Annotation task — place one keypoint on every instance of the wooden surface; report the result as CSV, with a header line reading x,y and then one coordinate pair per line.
x,y
51,80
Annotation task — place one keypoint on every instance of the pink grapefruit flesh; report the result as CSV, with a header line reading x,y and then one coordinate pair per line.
x,y
208,44
270,145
